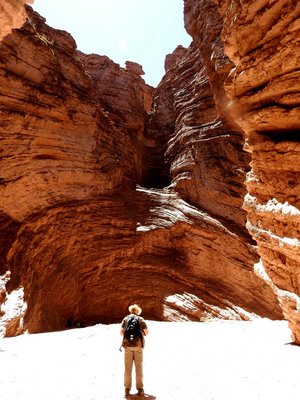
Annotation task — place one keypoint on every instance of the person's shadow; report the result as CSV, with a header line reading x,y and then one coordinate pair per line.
x,y
144,396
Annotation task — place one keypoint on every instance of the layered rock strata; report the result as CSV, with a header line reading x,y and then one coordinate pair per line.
x,y
207,165
60,150
104,200
126,100
262,40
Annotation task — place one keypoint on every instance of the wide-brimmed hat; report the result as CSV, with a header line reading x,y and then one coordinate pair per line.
x,y
135,309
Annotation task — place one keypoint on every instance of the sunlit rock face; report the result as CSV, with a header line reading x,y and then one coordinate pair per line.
x,y
66,164
12,15
262,40
204,153
105,200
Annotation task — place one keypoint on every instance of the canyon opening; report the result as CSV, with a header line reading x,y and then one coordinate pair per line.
x,y
183,197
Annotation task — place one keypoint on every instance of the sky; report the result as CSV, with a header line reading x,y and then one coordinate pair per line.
x,y
143,31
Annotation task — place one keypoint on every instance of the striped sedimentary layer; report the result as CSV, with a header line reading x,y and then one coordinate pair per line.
x,y
262,40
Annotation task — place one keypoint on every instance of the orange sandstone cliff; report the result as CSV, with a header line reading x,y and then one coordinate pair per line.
x,y
261,38
12,15
265,84
112,191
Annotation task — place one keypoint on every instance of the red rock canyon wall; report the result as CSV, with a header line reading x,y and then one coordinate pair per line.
x,y
111,192
261,38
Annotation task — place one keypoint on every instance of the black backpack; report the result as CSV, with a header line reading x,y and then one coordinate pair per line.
x,y
132,328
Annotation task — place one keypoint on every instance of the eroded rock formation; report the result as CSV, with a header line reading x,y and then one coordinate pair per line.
x,y
60,150
105,199
262,40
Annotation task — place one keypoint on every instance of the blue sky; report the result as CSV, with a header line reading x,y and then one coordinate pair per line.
x,y
143,31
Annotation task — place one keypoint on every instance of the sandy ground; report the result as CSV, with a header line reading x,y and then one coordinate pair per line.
x,y
182,361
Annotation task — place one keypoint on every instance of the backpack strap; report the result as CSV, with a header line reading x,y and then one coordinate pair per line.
x,y
142,332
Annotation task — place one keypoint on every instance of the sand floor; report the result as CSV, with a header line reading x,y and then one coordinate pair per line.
x,y
182,361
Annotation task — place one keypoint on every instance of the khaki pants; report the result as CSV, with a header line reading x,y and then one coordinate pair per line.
x,y
133,355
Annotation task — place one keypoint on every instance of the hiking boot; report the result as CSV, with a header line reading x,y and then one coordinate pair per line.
x,y
141,392
127,392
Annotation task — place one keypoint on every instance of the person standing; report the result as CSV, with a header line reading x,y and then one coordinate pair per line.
x,y
133,330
